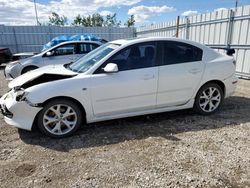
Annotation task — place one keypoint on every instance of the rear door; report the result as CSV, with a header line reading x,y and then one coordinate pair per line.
x,y
62,54
179,74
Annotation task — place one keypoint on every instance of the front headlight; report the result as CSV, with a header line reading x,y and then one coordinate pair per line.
x,y
20,95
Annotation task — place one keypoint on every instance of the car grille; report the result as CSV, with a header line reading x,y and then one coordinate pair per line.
x,y
5,111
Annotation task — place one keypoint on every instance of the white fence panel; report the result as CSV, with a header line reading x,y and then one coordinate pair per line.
x,y
32,38
225,28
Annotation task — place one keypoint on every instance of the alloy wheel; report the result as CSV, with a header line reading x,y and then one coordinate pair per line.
x,y
210,99
59,119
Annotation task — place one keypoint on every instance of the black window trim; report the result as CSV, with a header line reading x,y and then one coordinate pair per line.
x,y
161,62
75,48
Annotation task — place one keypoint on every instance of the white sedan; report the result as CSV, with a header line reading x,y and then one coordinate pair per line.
x,y
62,53
120,79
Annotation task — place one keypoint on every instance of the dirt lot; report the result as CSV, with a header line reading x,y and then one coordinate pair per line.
x,y
177,149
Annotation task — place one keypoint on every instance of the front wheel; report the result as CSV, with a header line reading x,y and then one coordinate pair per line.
x,y
209,98
59,118
28,69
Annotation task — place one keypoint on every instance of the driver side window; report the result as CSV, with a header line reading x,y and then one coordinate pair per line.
x,y
134,57
67,49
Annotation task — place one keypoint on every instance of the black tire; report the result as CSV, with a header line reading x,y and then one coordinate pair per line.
x,y
63,102
28,69
199,100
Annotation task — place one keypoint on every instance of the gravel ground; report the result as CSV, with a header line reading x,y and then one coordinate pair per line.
x,y
177,149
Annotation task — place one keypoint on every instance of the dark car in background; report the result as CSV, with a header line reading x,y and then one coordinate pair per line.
x,y
5,55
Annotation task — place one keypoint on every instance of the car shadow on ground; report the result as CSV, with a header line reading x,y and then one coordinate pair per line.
x,y
235,111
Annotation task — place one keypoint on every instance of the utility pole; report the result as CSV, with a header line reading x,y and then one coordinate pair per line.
x,y
236,5
37,22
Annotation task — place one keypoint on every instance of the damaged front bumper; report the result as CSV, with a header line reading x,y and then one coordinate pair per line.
x,y
18,114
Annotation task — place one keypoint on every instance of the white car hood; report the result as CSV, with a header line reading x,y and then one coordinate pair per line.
x,y
29,60
50,69
25,54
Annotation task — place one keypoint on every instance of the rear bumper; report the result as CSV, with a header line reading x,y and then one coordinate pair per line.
x,y
230,85
18,114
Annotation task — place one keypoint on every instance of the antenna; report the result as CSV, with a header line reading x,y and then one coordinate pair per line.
x,y
236,5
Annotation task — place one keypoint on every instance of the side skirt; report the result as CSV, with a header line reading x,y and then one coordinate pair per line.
x,y
138,113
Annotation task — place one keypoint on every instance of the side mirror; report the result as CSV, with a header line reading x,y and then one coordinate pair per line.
x,y
48,54
111,68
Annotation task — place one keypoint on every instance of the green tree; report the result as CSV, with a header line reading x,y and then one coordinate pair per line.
x,y
77,20
131,21
97,20
55,19
86,21
94,20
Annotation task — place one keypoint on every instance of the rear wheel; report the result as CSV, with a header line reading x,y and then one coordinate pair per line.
x,y
59,118
209,98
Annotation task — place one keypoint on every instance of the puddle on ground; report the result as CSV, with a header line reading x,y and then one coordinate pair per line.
x,y
25,170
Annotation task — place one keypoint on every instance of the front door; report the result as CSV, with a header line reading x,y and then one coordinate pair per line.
x,y
131,89
61,55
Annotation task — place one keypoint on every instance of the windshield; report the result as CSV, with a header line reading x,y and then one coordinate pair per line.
x,y
86,62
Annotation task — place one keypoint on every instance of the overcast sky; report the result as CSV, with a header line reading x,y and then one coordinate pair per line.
x,y
21,12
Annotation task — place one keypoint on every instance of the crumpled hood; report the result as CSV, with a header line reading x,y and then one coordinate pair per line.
x,y
50,70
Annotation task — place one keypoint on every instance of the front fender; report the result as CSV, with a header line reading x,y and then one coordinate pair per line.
x,y
76,88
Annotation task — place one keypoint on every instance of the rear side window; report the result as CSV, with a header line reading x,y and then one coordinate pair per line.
x,y
85,48
178,52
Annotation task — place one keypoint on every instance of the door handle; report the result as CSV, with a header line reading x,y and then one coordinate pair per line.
x,y
148,77
194,71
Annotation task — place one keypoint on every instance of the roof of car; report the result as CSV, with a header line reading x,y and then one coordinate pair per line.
x,y
70,42
82,41
150,39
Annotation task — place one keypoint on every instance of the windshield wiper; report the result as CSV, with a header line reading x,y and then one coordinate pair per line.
x,y
67,66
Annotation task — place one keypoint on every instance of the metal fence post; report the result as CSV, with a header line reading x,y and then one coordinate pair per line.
x,y
109,33
134,32
187,28
50,32
16,45
177,26
230,28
